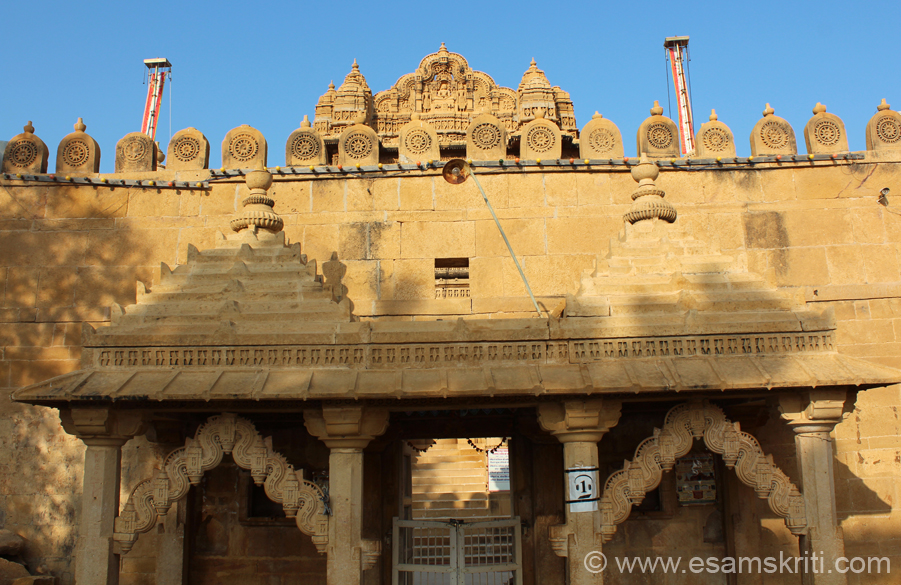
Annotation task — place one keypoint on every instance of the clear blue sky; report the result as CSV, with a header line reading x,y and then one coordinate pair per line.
x,y
267,64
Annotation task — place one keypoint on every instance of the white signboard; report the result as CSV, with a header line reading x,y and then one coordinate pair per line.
x,y
583,489
499,470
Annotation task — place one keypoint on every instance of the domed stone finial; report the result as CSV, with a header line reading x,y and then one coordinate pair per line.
x,y
713,116
533,63
597,115
657,110
331,85
442,48
880,108
355,67
80,126
819,108
648,201
258,213
306,122
768,111
29,129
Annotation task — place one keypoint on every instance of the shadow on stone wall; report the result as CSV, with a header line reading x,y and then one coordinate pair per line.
x,y
66,254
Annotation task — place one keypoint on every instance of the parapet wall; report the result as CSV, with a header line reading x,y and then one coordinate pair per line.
x,y
360,147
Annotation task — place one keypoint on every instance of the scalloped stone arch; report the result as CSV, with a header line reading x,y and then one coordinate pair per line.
x,y
740,451
185,466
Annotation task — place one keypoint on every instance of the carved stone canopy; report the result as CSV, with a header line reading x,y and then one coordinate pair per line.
x,y
447,93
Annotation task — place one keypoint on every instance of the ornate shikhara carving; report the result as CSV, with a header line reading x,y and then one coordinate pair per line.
x,y
185,467
740,451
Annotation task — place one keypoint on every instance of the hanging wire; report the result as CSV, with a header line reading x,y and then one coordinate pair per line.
x,y
666,68
170,111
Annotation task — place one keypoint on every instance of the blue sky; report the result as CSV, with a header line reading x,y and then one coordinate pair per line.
x,y
267,64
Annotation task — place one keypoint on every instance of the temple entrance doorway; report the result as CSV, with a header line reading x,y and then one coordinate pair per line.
x,y
456,523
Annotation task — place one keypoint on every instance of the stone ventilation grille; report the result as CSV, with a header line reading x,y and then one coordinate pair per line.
x,y
452,278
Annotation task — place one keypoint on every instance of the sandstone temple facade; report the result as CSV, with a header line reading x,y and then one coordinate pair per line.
x,y
330,369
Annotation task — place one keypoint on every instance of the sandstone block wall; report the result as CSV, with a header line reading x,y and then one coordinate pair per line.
x,y
68,251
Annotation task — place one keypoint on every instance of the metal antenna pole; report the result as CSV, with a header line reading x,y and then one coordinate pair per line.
x,y
506,241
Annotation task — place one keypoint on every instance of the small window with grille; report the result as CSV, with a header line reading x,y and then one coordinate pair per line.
x,y
451,278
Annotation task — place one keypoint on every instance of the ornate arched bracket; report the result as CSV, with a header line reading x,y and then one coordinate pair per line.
x,y
740,451
186,465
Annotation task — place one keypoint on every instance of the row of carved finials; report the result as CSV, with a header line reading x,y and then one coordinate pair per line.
x,y
486,138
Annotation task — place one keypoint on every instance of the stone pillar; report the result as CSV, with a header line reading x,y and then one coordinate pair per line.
x,y
812,416
104,431
346,432
170,564
579,425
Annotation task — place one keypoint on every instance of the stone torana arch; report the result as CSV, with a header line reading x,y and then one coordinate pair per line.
x,y
740,451
186,465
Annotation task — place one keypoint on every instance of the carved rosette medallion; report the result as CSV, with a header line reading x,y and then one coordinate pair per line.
x,y
417,141
716,140
774,135
76,153
888,130
540,139
134,150
23,154
243,147
358,145
660,136
601,140
486,136
186,148
305,147
827,133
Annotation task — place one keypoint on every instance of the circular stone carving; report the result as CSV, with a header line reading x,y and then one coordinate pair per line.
x,y
243,147
134,149
23,153
540,139
827,132
660,136
601,140
76,153
888,130
486,136
774,135
358,145
305,146
186,149
716,139
417,141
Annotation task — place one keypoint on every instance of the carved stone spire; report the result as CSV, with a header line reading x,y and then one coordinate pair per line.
x,y
647,201
258,213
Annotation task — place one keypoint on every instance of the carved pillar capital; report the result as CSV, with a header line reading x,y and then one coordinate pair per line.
x,y
103,426
579,420
814,412
346,427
